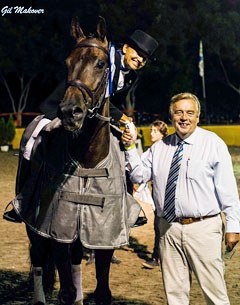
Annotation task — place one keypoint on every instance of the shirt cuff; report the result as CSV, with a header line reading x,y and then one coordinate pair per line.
x,y
127,148
232,226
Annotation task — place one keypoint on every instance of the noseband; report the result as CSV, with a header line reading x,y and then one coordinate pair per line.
x,y
92,94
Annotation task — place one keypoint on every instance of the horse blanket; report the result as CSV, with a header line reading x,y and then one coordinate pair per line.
x,y
61,200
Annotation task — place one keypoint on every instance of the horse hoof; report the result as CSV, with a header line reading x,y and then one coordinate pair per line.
x,y
67,297
103,298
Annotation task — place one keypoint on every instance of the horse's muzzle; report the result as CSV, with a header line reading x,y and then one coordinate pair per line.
x,y
73,124
72,118
77,113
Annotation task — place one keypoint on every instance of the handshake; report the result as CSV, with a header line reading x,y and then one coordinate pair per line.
x,y
129,135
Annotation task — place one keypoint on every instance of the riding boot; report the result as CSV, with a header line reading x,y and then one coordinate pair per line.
x,y
38,296
77,281
67,293
102,293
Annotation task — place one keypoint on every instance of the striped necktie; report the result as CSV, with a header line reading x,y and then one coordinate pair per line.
x,y
169,202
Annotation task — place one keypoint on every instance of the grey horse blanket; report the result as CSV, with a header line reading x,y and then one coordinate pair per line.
x,y
61,200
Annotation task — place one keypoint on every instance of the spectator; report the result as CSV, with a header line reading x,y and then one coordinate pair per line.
x,y
159,130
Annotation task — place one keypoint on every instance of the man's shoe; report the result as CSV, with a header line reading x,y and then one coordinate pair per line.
x,y
91,259
12,216
151,264
115,260
142,220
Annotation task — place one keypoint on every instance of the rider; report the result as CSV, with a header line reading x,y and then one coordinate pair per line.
x,y
134,54
131,57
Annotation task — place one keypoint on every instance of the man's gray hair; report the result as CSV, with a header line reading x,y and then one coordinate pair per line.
x,y
184,96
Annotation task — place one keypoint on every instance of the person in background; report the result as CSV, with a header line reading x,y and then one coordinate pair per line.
x,y
159,130
193,184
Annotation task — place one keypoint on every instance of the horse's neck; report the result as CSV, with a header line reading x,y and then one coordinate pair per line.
x,y
93,144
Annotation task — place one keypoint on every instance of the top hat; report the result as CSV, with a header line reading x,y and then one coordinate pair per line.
x,y
142,42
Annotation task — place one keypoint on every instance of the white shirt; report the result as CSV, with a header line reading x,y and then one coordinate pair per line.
x,y
206,184
122,74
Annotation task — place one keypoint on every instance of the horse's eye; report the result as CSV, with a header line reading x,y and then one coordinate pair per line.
x,y
100,64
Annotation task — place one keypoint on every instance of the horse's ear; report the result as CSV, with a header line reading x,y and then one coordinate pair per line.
x,y
101,28
76,31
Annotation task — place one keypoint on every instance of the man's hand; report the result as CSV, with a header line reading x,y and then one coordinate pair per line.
x,y
128,138
231,239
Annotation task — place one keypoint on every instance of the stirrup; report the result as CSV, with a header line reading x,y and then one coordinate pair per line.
x,y
11,215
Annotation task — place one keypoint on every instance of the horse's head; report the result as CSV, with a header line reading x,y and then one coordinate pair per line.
x,y
87,76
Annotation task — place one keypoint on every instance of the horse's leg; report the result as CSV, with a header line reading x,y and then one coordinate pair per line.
x,y
77,255
102,293
39,250
62,253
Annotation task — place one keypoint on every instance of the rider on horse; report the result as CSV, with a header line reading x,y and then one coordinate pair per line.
x,y
131,59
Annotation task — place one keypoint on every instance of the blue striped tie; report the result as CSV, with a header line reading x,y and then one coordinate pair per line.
x,y
169,202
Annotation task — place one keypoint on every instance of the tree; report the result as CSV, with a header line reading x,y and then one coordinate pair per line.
x,y
7,130
33,48
14,61
28,51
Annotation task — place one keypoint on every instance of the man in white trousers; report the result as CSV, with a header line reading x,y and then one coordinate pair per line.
x,y
193,183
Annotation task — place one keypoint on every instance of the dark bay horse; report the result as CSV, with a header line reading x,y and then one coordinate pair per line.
x,y
76,193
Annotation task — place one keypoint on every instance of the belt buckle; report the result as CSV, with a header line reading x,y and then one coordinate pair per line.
x,y
186,221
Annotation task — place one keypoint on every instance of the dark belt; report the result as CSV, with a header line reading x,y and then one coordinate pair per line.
x,y
188,220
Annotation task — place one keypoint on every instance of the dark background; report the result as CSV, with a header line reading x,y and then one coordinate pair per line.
x,y
33,49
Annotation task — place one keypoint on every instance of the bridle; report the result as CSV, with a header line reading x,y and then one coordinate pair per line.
x,y
93,112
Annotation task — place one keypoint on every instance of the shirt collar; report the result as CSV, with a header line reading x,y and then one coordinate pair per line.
x,y
189,140
122,67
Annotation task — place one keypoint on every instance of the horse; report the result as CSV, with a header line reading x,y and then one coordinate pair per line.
x,y
76,194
